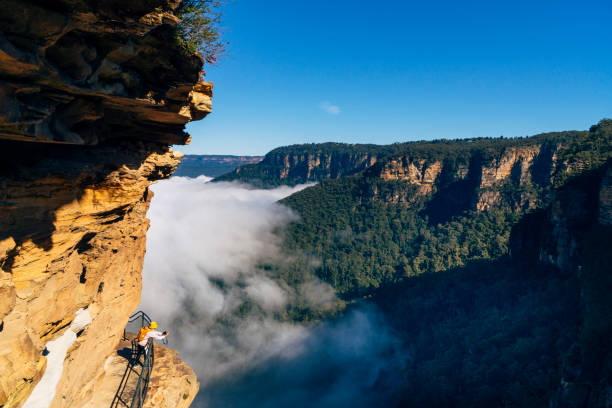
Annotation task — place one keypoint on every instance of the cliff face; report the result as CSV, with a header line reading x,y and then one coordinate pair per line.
x,y
480,181
212,165
308,163
302,168
73,235
574,234
485,174
91,95
487,163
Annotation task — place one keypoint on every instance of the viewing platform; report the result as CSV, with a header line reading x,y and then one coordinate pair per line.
x,y
159,380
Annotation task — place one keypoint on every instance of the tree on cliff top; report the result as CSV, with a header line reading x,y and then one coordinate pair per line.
x,y
199,29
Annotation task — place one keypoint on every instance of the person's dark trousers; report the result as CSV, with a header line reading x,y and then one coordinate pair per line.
x,y
140,352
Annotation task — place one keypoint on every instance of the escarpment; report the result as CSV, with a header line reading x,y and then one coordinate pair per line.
x,y
428,165
73,225
437,205
482,177
307,163
91,96
573,235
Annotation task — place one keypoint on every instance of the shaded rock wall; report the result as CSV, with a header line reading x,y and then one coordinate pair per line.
x,y
573,234
318,166
605,199
73,235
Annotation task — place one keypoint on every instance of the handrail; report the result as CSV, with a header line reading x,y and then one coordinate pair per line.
x,y
140,393
146,364
145,320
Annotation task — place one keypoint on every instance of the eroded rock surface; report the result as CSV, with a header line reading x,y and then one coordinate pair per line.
x,y
307,163
83,71
173,384
91,95
73,231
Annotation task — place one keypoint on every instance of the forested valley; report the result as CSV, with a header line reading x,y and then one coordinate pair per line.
x,y
490,258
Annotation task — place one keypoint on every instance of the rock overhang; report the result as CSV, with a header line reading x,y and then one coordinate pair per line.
x,y
84,71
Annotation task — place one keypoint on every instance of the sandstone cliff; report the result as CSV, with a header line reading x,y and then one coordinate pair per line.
x,y
82,72
486,174
91,95
487,162
482,177
307,163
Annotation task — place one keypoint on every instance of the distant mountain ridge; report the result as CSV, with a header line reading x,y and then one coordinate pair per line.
x,y
298,164
212,165
304,163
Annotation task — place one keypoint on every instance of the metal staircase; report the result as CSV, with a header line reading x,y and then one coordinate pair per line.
x,y
132,390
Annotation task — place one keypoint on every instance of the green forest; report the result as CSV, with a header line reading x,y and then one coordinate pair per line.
x,y
484,321
364,243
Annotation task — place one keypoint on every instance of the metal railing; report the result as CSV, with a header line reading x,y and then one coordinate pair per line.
x,y
138,357
141,316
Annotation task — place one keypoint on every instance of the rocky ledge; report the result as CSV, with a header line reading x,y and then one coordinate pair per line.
x,y
173,384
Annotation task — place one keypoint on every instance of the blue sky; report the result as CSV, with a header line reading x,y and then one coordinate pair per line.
x,y
393,71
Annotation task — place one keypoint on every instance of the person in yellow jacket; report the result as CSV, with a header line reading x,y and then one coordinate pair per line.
x,y
147,333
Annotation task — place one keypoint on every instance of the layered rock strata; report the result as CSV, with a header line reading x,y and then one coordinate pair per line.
x,y
85,71
307,163
91,95
483,180
73,225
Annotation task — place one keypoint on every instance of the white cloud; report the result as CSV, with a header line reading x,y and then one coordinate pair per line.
x,y
329,108
203,246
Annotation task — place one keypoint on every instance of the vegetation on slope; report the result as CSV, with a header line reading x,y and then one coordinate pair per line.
x,y
487,334
586,151
364,243
479,327
365,240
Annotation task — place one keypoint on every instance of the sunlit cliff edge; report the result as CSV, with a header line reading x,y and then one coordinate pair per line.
x,y
91,96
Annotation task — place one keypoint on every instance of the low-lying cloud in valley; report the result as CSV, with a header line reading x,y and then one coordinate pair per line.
x,y
203,280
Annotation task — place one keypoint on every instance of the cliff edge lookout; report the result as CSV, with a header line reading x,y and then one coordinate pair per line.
x,y
132,390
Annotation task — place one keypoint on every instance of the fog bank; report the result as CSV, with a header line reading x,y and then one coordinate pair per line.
x,y
203,281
